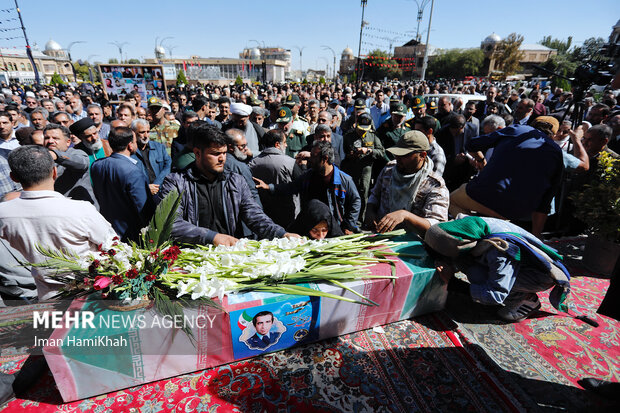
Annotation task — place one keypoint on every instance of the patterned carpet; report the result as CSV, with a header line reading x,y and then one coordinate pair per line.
x,y
461,359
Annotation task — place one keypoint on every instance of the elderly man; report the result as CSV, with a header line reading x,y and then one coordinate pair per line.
x,y
77,108
73,180
154,159
121,187
237,158
408,193
327,183
215,202
95,113
162,130
62,118
240,119
38,118
42,216
90,141
444,110
273,166
523,112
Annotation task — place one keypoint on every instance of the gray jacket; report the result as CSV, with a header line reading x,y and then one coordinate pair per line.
x,y
274,167
239,206
73,175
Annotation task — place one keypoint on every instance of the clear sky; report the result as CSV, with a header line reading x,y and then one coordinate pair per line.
x,y
220,28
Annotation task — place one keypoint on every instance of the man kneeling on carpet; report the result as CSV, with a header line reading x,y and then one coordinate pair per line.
x,y
504,264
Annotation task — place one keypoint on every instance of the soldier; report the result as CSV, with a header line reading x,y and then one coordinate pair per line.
x,y
392,129
362,148
300,129
419,111
162,130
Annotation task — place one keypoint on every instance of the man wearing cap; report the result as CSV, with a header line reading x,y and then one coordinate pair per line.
x,y
392,129
300,128
408,193
90,142
362,148
240,119
418,104
359,107
162,130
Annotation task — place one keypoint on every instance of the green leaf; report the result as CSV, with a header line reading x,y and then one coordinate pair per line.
x,y
160,226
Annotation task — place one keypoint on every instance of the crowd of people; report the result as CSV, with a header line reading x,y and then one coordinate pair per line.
x,y
295,160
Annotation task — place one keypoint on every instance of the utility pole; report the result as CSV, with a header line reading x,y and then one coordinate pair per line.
x,y
120,48
301,67
28,51
421,6
334,53
71,60
358,63
428,35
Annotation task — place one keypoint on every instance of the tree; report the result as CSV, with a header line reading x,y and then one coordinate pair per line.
x,y
456,63
321,80
56,79
181,79
113,60
238,81
81,70
134,61
590,50
379,65
508,55
561,46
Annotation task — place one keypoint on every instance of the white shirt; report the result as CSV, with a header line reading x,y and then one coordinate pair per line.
x,y
49,219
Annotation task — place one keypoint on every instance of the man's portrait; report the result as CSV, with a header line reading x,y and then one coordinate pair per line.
x,y
264,337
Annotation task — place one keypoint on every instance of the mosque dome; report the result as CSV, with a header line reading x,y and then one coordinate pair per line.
x,y
492,38
254,53
52,46
347,53
160,52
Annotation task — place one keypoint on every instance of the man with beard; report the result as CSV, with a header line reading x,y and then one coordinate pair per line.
x,y
224,107
299,130
38,118
154,159
327,183
215,202
240,119
408,193
237,158
90,141
121,188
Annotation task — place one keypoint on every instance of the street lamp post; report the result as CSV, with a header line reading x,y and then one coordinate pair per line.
x,y
68,49
301,67
428,34
326,65
120,48
421,6
334,53
358,64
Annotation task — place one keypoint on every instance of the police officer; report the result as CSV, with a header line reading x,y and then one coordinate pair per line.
x,y
362,148
299,130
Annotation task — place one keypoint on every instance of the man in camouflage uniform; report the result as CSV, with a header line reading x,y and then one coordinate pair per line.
x,y
419,111
300,129
162,130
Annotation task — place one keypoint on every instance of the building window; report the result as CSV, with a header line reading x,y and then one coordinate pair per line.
x,y
22,67
29,67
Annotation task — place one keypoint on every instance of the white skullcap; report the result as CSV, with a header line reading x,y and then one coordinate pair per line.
x,y
240,109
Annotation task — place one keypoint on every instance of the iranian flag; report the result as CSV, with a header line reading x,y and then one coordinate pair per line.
x,y
244,321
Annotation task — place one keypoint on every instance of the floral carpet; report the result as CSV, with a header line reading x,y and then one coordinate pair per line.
x,y
409,366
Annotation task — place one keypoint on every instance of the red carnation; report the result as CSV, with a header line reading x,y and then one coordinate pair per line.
x,y
117,279
150,277
112,252
86,281
131,274
171,254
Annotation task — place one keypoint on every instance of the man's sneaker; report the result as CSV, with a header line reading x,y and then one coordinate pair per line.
x,y
520,307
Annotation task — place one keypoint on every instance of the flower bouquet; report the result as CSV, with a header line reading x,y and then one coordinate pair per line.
x,y
174,277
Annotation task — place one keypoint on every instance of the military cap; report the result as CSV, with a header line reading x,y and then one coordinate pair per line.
x,y
418,102
284,115
411,141
292,100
